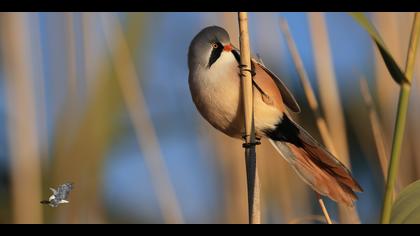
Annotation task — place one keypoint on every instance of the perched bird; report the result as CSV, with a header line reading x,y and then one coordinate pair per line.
x,y
214,81
59,196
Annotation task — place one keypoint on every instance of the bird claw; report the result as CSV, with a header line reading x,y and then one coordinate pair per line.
x,y
243,68
251,144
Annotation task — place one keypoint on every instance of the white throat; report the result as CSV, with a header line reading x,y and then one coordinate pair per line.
x,y
216,92
224,68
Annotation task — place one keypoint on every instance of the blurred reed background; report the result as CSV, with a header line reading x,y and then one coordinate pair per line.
x,y
102,100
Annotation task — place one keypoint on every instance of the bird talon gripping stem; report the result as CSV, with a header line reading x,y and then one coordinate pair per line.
x,y
252,71
216,92
250,144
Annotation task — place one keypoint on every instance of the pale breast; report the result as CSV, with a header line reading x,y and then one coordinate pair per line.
x,y
216,93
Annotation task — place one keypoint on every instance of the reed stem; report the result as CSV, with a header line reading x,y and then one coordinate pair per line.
x,y
377,129
330,100
400,121
25,158
324,209
310,97
143,125
254,211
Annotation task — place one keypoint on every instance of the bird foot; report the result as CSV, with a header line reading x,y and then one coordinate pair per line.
x,y
243,68
251,144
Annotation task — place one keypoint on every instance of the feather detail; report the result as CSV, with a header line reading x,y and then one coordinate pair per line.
x,y
313,163
272,85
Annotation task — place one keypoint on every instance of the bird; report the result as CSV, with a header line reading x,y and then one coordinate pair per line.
x,y
215,86
59,196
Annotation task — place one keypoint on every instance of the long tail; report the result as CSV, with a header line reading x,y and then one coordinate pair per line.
x,y
313,163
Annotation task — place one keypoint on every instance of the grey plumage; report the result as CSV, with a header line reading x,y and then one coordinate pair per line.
x,y
59,196
215,87
199,50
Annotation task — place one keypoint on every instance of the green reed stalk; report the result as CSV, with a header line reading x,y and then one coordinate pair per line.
x,y
400,121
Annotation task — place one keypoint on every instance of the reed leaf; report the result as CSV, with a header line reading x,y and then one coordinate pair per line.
x,y
406,208
391,64
400,122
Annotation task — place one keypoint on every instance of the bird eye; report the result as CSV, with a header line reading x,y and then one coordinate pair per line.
x,y
214,45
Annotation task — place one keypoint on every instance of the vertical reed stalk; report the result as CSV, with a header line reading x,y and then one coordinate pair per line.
x,y
40,86
330,99
391,31
146,136
400,121
411,160
71,59
387,90
87,51
328,87
307,88
377,129
71,133
21,118
310,97
254,209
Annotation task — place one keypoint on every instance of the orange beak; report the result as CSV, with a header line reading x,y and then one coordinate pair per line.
x,y
228,47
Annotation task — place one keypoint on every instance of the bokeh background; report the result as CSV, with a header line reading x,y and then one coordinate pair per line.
x,y
102,100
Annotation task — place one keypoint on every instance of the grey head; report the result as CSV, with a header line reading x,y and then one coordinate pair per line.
x,y
207,46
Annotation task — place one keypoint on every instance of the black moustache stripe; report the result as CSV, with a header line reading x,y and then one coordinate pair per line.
x,y
215,54
238,59
237,56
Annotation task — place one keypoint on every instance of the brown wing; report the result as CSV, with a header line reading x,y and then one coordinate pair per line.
x,y
269,82
270,85
268,88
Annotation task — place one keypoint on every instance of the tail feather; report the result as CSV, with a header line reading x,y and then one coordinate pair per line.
x,y
313,163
